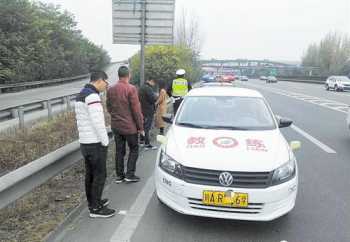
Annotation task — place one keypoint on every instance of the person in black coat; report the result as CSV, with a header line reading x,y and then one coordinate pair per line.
x,y
148,101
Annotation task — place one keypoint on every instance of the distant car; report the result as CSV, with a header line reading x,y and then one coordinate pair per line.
x,y
208,78
348,119
219,78
244,78
228,78
263,78
271,79
338,83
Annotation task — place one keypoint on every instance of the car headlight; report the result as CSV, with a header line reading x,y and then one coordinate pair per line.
x,y
169,165
286,172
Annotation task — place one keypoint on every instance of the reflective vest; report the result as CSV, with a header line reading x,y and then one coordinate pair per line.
x,y
180,87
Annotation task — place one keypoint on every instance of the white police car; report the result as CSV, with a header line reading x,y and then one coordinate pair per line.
x,y
225,157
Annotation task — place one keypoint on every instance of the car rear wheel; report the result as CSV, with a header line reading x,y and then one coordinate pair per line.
x,y
327,87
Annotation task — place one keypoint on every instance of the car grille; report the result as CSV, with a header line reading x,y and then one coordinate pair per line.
x,y
253,208
240,179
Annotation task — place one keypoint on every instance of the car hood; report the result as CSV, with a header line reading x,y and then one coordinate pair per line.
x,y
246,151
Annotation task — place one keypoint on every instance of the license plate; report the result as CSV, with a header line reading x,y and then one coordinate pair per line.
x,y
228,199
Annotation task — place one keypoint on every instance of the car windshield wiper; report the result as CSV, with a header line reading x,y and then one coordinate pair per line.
x,y
227,127
192,125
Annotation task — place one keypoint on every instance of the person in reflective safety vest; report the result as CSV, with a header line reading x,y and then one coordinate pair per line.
x,y
179,88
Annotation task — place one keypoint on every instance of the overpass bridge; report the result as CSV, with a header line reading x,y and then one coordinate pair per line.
x,y
257,67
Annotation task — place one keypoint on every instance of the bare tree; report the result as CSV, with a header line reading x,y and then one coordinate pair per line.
x,y
332,54
187,32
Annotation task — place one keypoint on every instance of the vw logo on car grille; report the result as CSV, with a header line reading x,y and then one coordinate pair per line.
x,y
226,179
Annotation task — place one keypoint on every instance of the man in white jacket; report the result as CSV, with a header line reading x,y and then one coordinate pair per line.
x,y
93,139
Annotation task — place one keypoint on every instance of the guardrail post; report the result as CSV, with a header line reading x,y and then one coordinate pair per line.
x,y
49,109
21,117
67,103
44,104
14,113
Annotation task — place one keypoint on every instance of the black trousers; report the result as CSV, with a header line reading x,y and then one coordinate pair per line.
x,y
147,125
120,141
177,104
95,156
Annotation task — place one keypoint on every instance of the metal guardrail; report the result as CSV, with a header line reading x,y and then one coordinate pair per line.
x,y
18,111
7,87
23,180
19,182
11,86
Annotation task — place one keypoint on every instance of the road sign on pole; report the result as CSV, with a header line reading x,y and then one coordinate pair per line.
x,y
143,22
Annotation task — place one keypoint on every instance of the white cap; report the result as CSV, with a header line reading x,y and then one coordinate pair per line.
x,y
180,72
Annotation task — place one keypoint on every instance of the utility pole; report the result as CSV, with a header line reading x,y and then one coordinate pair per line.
x,y
143,28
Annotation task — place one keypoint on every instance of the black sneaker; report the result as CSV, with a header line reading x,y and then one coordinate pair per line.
x,y
119,179
150,147
102,212
105,202
132,179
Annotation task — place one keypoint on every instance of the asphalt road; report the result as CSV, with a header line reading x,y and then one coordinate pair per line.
x,y
38,94
8,100
322,207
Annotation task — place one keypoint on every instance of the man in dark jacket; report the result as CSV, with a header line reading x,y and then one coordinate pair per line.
x,y
127,122
148,101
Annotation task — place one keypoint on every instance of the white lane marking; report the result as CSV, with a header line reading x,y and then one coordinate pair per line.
x,y
129,224
326,103
314,140
342,94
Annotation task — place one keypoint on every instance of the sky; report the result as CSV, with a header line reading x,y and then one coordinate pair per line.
x,y
230,29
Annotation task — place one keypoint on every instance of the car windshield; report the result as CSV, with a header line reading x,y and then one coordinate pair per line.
x,y
235,113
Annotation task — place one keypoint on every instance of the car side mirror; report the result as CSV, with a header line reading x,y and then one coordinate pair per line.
x,y
295,145
284,122
168,118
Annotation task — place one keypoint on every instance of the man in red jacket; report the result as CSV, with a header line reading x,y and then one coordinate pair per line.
x,y
127,123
